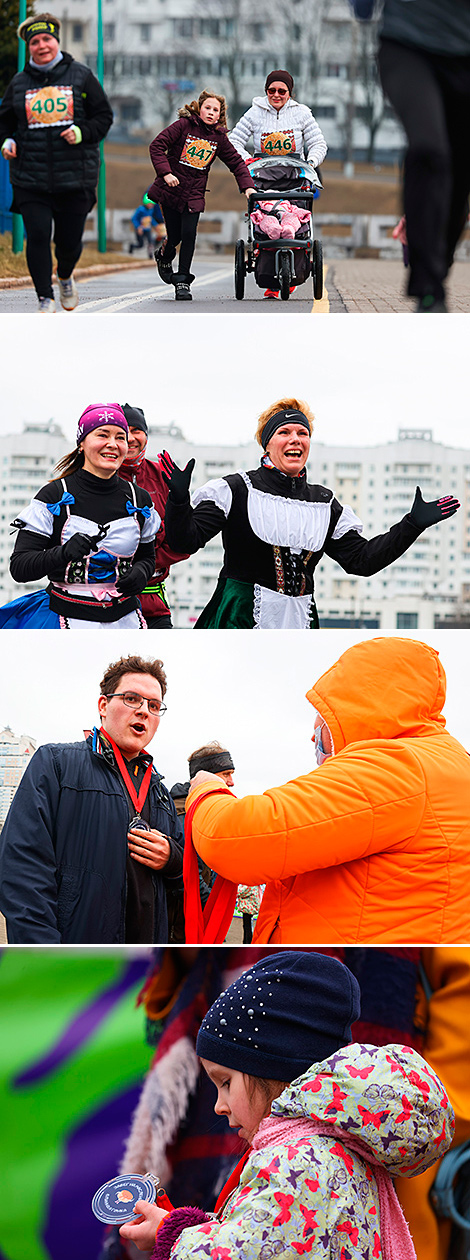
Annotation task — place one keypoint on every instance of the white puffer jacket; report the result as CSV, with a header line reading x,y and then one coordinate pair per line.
x,y
277,133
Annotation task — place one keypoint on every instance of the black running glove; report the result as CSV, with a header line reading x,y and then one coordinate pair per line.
x,y
77,547
424,514
133,582
178,479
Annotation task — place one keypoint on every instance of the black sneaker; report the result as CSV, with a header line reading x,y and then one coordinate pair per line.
x,y
430,304
164,266
183,291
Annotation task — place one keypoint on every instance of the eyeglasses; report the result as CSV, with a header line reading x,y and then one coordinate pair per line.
x,y
277,92
133,701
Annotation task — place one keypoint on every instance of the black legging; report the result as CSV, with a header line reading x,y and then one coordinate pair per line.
x,y
68,231
431,95
181,225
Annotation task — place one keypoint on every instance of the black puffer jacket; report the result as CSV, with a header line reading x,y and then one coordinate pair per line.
x,y
44,160
63,850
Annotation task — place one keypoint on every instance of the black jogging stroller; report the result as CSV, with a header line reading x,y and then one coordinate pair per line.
x,y
285,263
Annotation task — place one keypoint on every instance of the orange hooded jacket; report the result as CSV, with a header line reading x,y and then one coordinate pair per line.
x,y
374,845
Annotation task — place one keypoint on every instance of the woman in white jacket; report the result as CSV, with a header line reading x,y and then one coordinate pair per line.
x,y
278,126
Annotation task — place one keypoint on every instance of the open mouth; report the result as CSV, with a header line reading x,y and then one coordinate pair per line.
x,y
139,728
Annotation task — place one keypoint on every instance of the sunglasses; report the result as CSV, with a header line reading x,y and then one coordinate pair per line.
x,y
277,92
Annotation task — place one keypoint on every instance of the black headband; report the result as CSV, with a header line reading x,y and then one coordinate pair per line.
x,y
41,27
213,763
277,421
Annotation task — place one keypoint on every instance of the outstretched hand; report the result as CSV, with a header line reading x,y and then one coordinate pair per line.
x,y
178,479
424,514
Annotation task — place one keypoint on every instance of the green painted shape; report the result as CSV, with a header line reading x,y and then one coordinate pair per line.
x,y
40,992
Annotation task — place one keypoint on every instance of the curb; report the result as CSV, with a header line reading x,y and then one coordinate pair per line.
x,y
97,269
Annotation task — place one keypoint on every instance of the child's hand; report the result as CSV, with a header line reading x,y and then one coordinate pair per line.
x,y
171,180
142,1233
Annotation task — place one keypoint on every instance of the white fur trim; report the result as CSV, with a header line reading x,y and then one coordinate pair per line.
x,y
161,1109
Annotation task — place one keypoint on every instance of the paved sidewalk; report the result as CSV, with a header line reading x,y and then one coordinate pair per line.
x,y
369,285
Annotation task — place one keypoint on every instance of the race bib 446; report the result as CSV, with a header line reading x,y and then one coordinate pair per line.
x,y
278,142
198,153
49,107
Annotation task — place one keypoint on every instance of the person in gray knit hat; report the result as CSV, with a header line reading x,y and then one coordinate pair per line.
x,y
327,1124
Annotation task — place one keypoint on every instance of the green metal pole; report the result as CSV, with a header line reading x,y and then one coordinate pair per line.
x,y
17,233
102,176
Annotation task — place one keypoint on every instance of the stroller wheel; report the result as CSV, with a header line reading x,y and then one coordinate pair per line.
x,y
317,270
285,277
240,270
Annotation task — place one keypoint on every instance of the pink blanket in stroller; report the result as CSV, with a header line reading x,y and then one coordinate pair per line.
x,y
284,222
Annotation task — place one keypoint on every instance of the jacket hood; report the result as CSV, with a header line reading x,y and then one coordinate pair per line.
x,y
382,689
263,103
386,1096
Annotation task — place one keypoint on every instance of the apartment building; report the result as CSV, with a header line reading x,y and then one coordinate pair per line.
x,y
157,53
15,753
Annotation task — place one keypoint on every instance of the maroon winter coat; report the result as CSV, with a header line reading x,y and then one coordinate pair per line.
x,y
149,477
187,149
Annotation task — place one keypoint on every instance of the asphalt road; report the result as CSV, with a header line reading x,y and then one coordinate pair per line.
x,y
351,286
142,292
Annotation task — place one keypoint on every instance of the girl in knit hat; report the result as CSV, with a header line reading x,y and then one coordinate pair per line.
x,y
326,1124
88,531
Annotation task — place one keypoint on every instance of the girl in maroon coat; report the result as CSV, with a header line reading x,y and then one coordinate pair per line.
x,y
182,155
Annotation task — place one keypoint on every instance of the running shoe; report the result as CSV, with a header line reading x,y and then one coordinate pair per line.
x,y
68,293
46,306
271,293
164,266
430,304
183,291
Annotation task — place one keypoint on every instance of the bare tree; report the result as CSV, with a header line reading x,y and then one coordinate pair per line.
x,y
373,106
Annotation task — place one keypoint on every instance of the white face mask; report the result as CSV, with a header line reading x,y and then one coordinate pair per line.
x,y
322,736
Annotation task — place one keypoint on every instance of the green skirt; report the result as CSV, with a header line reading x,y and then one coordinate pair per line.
x,y
231,608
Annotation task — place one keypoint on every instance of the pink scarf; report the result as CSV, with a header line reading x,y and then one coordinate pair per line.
x,y
395,1235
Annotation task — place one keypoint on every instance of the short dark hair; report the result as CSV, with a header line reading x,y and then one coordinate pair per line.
x,y
131,665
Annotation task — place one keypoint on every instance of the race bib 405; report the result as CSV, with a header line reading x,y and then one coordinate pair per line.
x,y
198,153
278,142
49,107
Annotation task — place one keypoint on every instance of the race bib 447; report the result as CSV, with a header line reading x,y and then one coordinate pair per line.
x,y
49,107
278,142
198,153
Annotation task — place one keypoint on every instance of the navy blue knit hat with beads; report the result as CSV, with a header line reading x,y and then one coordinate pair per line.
x,y
286,1012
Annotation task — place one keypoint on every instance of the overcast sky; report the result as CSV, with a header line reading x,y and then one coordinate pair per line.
x,y
364,376
244,688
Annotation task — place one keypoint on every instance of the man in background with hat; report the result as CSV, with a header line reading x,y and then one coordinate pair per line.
x,y
147,474
53,115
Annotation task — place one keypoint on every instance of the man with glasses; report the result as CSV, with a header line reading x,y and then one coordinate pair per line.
x,y
92,840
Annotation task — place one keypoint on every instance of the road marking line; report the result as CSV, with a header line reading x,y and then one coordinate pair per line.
x,y
132,299
322,307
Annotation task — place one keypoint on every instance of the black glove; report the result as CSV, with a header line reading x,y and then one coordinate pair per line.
x,y
133,582
424,514
167,465
178,481
77,547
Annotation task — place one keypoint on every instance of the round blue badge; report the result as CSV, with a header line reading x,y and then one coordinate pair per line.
x,y
114,1203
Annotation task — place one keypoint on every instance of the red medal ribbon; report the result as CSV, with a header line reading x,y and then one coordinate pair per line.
x,y
208,926
232,1182
138,799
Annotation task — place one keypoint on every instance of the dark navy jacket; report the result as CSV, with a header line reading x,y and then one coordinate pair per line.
x,y
63,850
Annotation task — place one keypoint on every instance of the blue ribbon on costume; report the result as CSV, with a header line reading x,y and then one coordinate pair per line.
x,y
131,509
54,508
